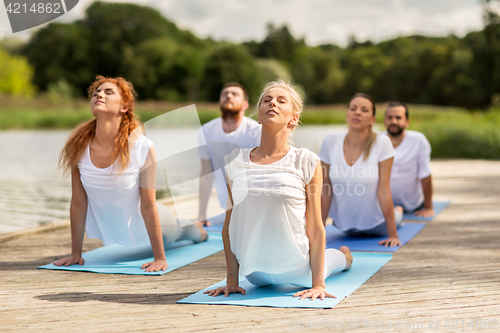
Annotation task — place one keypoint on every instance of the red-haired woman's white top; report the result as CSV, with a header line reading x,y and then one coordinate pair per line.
x,y
113,212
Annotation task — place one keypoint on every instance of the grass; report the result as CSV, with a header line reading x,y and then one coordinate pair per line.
x,y
452,132
462,134
41,114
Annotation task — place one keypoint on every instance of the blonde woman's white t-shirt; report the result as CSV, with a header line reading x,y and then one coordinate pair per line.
x,y
267,227
355,204
113,211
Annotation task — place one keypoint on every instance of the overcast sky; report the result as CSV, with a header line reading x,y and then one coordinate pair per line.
x,y
319,21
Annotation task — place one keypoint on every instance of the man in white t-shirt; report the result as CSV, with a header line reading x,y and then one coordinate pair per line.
x,y
411,182
219,138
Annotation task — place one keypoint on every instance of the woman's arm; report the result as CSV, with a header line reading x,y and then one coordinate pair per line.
x,y
326,192
232,265
206,183
428,210
385,198
77,216
316,234
149,212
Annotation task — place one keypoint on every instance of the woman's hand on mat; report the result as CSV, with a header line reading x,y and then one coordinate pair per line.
x,y
155,266
71,260
391,241
313,293
228,289
425,212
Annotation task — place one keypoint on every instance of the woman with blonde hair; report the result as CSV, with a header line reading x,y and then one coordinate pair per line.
x,y
356,174
113,173
271,187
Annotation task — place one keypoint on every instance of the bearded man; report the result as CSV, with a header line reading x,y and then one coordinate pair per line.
x,y
411,181
219,138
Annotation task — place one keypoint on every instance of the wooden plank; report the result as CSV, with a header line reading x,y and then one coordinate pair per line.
x,y
448,271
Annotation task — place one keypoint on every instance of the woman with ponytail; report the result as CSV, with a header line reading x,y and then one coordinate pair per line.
x,y
113,172
356,173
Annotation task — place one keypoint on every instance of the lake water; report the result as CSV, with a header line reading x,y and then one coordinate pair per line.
x,y
34,191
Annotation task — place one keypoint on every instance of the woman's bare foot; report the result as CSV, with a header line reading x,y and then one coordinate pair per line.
x,y
204,233
348,257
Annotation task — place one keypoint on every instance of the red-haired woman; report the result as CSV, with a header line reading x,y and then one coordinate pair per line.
x,y
113,171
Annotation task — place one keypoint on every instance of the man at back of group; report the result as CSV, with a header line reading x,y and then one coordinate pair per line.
x,y
411,182
219,138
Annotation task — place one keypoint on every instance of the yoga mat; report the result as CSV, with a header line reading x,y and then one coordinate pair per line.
x,y
341,285
336,238
119,259
439,206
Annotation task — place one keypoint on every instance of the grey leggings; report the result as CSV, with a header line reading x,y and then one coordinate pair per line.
x,y
335,262
176,229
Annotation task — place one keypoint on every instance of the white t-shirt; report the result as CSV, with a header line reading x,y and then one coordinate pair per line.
x,y
267,226
113,211
355,204
412,163
221,144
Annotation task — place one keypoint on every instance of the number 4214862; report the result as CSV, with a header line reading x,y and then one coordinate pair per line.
x,y
36,8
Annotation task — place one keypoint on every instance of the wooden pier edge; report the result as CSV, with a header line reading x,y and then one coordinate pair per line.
x,y
45,227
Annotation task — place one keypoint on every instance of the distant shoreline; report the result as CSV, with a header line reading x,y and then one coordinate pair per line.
x,y
453,132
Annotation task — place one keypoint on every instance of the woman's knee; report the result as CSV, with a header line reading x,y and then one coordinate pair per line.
x,y
336,261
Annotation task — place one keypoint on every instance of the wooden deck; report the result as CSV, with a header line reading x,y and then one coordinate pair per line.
x,y
449,271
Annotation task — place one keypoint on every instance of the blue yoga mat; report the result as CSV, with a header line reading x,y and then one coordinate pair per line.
x,y
119,259
439,206
336,238
340,285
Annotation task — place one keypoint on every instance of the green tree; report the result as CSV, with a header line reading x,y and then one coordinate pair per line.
x,y
12,45
148,67
490,12
414,62
188,70
456,83
61,51
115,39
278,44
115,26
15,75
272,70
321,75
229,63
365,71
492,35
165,69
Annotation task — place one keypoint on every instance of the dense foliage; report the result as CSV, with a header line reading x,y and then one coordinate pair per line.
x,y
15,75
167,63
